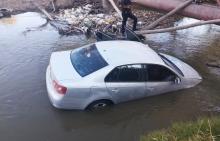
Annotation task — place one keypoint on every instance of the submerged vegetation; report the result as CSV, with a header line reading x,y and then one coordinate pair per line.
x,y
206,129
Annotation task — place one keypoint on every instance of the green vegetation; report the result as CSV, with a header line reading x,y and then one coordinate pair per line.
x,y
206,129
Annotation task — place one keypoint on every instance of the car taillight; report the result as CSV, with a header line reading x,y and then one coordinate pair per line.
x,y
59,88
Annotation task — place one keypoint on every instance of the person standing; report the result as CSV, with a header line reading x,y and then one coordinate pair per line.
x,y
127,13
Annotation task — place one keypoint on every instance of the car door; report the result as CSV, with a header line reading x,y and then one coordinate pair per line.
x,y
160,79
126,83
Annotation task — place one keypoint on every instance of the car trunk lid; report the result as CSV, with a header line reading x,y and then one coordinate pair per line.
x,y
61,67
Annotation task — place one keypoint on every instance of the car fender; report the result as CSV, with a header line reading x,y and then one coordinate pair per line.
x,y
98,93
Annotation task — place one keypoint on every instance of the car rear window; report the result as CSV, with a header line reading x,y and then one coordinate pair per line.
x,y
87,60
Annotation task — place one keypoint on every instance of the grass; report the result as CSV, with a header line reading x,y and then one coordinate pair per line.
x,y
206,129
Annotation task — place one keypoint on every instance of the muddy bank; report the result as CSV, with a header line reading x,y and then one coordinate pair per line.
x,y
19,6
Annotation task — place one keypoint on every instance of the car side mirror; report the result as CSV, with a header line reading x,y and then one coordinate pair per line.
x,y
177,80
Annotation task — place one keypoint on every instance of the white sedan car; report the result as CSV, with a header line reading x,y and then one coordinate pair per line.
x,y
105,73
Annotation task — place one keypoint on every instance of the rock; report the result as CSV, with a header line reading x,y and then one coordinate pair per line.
x,y
66,12
73,17
87,22
79,10
100,22
88,7
100,15
5,12
1,15
119,24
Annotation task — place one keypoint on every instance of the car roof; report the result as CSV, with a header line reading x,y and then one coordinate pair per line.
x,y
119,53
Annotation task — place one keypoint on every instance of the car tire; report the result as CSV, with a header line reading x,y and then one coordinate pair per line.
x,y
99,105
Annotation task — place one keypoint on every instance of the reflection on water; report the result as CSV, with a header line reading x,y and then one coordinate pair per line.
x,y
193,32
25,110
8,21
197,46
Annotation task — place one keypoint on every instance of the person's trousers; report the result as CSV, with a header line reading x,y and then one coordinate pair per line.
x,y
128,14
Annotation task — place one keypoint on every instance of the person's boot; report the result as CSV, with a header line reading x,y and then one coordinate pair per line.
x,y
123,34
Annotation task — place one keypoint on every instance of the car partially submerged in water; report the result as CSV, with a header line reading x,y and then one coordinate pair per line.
x,y
105,73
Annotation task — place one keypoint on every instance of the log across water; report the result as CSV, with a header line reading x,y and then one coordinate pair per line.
x,y
201,12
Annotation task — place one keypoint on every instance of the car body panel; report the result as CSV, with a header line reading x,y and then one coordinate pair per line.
x,y
121,92
99,92
187,70
155,88
118,53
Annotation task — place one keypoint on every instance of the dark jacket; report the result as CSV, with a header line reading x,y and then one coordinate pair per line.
x,y
125,4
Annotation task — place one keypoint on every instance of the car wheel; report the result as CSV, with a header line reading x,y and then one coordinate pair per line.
x,y
99,105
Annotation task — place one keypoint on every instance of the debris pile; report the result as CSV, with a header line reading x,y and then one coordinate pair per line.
x,y
86,18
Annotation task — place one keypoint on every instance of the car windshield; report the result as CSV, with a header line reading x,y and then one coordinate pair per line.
x,y
171,64
87,60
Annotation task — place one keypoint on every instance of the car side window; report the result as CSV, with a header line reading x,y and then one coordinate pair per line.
x,y
157,73
126,73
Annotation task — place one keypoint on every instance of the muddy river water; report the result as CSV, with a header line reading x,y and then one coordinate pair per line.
x,y
27,115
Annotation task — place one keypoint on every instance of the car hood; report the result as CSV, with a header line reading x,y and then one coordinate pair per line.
x,y
186,69
61,66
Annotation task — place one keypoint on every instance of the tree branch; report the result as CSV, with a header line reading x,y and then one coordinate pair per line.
x,y
216,21
174,11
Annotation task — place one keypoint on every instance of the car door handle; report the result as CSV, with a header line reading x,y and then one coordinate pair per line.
x,y
150,88
115,90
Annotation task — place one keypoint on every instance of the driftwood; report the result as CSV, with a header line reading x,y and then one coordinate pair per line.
x,y
174,11
213,65
65,29
217,21
49,17
53,5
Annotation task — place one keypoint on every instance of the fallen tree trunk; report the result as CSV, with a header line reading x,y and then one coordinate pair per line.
x,y
201,11
218,1
49,17
213,65
53,5
174,11
217,21
106,5
115,7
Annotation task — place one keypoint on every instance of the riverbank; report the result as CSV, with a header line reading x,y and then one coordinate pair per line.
x,y
21,6
205,129
78,14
